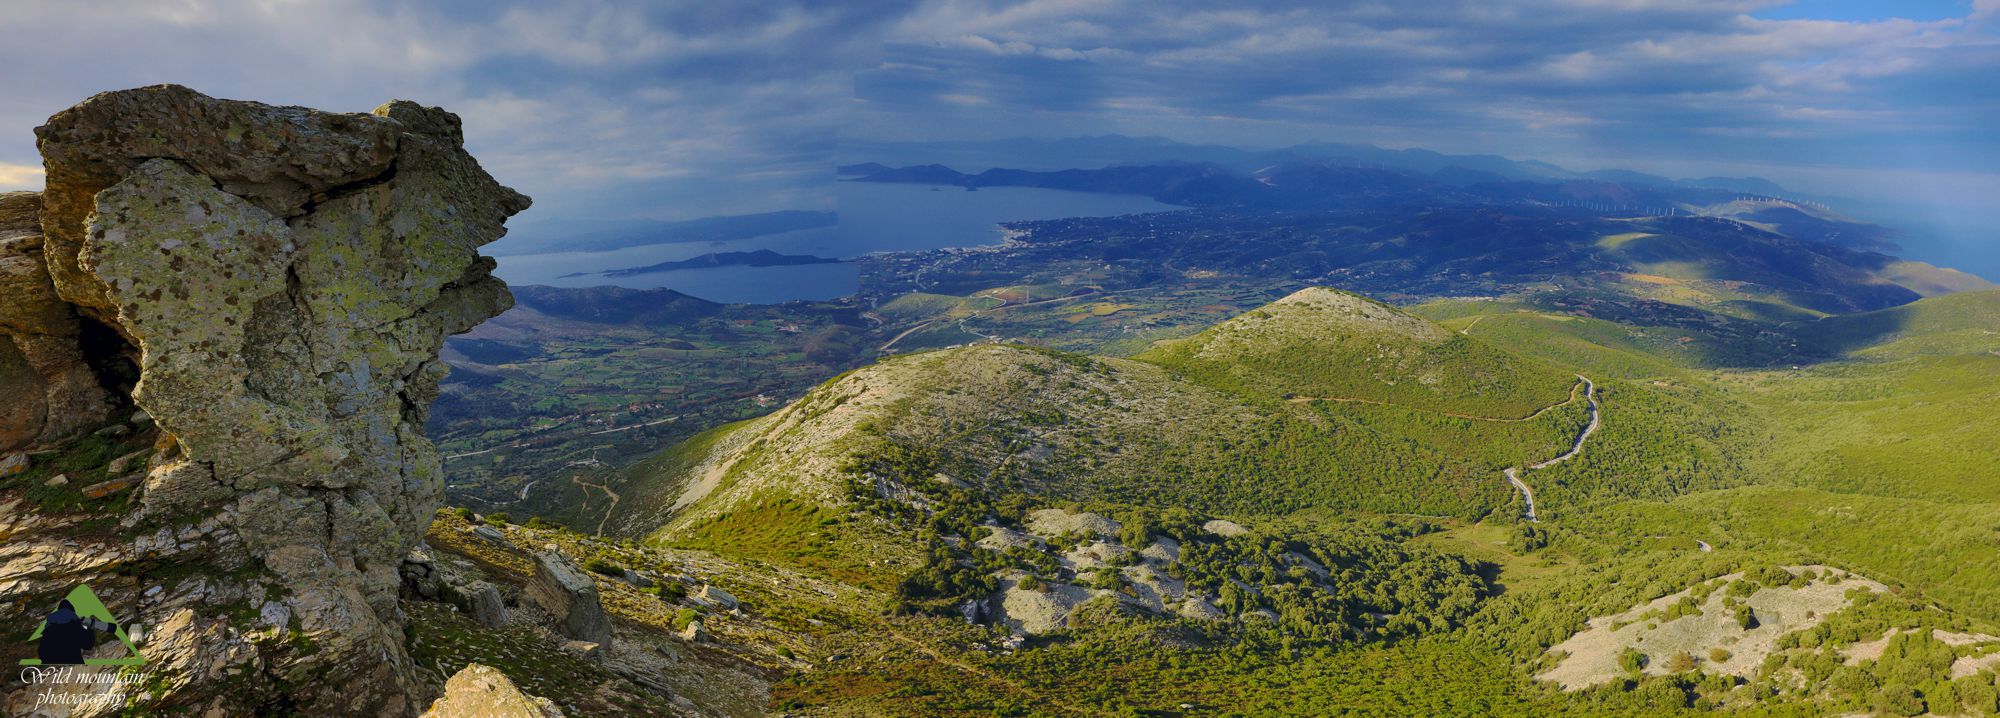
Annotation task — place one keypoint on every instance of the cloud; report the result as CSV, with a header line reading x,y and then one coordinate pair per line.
x,y
20,177
688,107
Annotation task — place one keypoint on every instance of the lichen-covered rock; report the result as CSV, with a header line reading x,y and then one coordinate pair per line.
x,y
570,595
481,691
484,603
281,279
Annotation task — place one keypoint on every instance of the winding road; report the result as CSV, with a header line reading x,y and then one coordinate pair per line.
x,y
604,487
1596,420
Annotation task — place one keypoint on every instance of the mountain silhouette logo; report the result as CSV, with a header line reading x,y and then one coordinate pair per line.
x,y
77,625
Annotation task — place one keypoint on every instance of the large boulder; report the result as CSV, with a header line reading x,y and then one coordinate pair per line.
x,y
569,594
481,691
278,281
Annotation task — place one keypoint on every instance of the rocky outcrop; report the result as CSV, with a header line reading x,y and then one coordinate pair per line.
x,y
570,595
53,391
278,282
481,691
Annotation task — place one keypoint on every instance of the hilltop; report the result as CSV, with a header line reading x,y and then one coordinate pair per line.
x,y
1324,343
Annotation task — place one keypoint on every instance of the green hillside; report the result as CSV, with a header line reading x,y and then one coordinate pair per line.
x,y
1323,343
1961,323
1207,515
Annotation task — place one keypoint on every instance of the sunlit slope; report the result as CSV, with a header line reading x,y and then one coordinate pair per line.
x,y
1324,343
1962,323
1012,421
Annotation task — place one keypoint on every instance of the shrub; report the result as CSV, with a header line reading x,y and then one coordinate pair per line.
x,y
1632,661
1719,655
602,566
1746,617
1681,662
499,517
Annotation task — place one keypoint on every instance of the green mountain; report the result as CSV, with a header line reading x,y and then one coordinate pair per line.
x,y
1324,343
1327,470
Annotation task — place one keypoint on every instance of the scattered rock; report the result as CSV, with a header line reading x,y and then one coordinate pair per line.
x,y
57,480
123,463
718,598
634,578
102,489
481,691
486,605
568,593
489,533
694,632
113,431
593,652
13,464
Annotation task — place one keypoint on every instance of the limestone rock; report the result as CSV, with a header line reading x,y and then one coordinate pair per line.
x,y
481,691
593,652
717,597
486,606
569,594
489,533
133,460
271,286
695,632
102,489
13,464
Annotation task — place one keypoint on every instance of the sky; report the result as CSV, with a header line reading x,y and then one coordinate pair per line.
x,y
613,109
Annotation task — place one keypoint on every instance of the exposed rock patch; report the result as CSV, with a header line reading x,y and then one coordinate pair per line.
x,y
1591,656
481,691
1056,522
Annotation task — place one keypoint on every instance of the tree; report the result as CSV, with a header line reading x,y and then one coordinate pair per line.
x,y
1899,699
1746,617
1632,661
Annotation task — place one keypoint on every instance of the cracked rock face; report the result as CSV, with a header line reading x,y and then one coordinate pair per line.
x,y
283,279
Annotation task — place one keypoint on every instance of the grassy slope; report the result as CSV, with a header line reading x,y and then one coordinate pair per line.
x,y
1886,451
1327,343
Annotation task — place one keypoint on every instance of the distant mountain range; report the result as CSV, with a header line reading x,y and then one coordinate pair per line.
x,y
1112,150
1315,185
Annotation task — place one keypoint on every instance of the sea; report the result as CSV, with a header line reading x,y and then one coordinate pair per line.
x,y
874,217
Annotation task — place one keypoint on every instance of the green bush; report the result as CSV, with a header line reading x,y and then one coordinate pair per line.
x,y
603,566
1632,661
